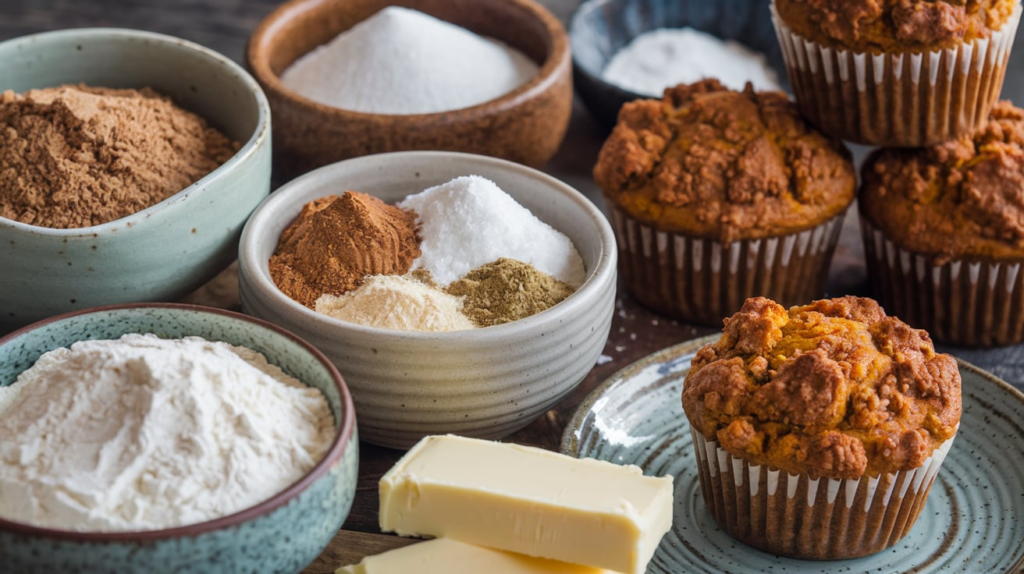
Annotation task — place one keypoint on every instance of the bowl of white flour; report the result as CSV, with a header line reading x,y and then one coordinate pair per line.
x,y
629,49
170,437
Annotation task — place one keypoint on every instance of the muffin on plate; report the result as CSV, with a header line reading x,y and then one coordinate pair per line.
x,y
943,232
717,195
820,429
896,72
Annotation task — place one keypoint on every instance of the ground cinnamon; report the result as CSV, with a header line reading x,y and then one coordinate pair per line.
x,y
77,156
337,241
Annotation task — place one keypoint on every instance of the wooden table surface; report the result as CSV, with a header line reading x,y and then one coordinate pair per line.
x,y
224,25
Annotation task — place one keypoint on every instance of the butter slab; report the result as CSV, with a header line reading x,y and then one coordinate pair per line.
x,y
445,556
529,501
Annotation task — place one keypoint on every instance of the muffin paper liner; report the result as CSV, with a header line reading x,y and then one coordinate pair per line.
x,y
803,517
962,302
702,280
897,99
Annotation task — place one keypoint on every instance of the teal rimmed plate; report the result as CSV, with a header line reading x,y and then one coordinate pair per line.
x,y
973,520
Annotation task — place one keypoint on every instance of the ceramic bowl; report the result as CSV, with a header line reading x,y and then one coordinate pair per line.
x,y
171,248
600,28
484,383
526,125
282,534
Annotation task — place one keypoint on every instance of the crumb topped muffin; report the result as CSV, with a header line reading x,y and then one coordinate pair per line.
x,y
711,162
896,73
717,195
963,198
944,233
888,25
834,389
820,429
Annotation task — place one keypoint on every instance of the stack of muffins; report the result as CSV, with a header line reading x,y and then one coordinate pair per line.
x,y
819,429
717,196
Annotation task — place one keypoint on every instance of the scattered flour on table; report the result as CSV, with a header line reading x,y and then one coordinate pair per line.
x,y
401,61
397,302
663,58
470,221
143,433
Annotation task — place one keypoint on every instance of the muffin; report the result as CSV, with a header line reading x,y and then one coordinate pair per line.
x,y
819,430
943,232
896,73
717,195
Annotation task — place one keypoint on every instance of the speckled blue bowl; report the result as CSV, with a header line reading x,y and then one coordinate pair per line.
x,y
282,534
171,248
600,28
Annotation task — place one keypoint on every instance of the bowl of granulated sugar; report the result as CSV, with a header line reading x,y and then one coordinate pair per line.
x,y
129,162
455,293
347,78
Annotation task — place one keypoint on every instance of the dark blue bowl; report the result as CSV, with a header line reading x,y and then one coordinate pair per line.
x,y
600,28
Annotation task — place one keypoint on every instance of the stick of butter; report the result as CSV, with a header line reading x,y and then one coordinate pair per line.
x,y
446,556
527,500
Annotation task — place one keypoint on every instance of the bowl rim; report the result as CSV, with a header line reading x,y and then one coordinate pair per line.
x,y
261,44
245,152
256,272
583,9
333,456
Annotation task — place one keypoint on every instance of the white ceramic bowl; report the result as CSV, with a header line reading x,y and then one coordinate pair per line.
x,y
484,383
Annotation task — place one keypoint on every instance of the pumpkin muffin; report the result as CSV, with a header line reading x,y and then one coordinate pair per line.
x,y
944,233
719,195
896,73
813,426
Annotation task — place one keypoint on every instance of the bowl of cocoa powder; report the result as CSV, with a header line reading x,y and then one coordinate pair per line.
x,y
373,260
129,162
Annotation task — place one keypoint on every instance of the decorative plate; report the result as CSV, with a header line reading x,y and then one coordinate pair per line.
x,y
973,520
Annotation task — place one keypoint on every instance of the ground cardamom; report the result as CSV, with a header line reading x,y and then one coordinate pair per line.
x,y
507,290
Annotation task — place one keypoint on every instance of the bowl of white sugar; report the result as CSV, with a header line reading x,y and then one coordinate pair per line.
x,y
347,78
170,438
629,49
452,321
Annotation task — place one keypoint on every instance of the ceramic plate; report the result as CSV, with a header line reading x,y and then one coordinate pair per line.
x,y
973,520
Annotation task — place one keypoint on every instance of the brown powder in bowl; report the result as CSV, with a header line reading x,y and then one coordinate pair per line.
x,y
337,241
76,156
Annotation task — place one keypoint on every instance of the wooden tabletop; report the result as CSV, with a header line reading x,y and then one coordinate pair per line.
x,y
224,25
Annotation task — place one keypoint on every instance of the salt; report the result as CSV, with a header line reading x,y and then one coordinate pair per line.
x,y
663,58
470,221
401,61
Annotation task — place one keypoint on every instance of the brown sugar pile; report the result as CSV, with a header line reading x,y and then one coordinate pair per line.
x,y
77,156
337,241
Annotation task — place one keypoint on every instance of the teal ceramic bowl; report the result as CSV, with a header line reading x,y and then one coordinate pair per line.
x,y
282,534
169,249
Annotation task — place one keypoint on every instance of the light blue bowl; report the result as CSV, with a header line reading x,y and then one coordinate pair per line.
x,y
170,249
283,534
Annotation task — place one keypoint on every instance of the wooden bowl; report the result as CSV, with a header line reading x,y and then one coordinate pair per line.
x,y
526,125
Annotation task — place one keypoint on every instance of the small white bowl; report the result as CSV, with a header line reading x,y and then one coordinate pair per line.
x,y
485,383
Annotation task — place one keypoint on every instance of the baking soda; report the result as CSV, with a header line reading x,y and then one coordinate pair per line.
x,y
469,222
664,58
401,61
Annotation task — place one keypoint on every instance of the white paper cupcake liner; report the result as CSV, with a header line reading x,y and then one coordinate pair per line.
x,y
962,302
802,517
701,280
897,99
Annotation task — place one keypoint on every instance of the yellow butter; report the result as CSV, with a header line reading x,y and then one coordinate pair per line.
x,y
445,556
527,500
